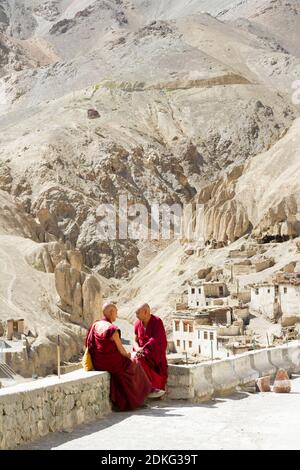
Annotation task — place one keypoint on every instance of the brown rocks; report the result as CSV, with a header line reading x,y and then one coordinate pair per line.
x,y
263,384
225,218
93,114
203,272
282,382
80,294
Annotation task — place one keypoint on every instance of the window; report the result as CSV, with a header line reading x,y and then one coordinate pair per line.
x,y
199,349
256,291
205,335
184,345
211,336
197,304
191,328
199,290
178,343
15,326
193,290
177,325
190,344
199,334
285,290
185,327
221,291
269,291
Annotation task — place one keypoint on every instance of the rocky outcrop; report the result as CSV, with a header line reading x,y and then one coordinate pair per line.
x,y
93,114
225,219
261,197
46,256
80,294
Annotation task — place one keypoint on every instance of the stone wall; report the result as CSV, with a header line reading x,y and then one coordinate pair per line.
x,y
203,381
33,409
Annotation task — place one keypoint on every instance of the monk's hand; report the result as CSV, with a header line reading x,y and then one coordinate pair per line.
x,y
140,353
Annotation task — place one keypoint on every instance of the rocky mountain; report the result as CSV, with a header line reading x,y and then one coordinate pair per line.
x,y
191,101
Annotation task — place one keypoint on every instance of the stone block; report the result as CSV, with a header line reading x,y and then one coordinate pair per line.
x,y
264,384
282,383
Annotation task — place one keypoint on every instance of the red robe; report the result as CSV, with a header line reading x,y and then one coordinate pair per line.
x,y
129,385
153,340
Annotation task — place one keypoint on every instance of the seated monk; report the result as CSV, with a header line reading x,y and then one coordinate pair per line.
x,y
150,346
129,383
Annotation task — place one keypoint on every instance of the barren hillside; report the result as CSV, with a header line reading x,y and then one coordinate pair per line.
x,y
193,101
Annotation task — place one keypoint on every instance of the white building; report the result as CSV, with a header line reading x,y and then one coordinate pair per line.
x,y
274,299
198,339
289,299
184,335
203,294
208,344
264,300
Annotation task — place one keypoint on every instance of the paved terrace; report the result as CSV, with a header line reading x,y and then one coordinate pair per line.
x,y
241,421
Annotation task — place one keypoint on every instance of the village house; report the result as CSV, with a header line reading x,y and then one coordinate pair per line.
x,y
209,343
189,327
264,299
204,294
278,298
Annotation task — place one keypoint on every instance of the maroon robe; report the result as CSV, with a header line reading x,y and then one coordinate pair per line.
x,y
153,340
129,385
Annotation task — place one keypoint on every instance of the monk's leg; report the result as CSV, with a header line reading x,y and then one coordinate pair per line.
x,y
157,381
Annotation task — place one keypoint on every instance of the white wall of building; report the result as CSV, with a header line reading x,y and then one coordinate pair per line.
x,y
289,296
196,297
185,341
201,340
208,344
263,300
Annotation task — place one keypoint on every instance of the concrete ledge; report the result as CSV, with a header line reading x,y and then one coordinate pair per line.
x,y
260,361
279,358
33,409
243,369
224,379
202,379
201,382
180,383
293,354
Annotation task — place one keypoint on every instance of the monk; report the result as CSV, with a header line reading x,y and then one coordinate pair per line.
x,y
150,346
129,385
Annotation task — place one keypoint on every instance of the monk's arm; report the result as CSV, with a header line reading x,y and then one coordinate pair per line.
x,y
135,344
116,338
157,344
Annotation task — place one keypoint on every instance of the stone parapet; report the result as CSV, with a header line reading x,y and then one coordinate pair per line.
x,y
31,410
202,382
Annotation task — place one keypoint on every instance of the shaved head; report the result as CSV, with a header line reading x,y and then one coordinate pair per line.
x,y
110,311
144,308
143,312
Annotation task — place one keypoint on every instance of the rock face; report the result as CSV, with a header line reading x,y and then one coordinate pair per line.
x,y
225,218
167,126
256,198
80,293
